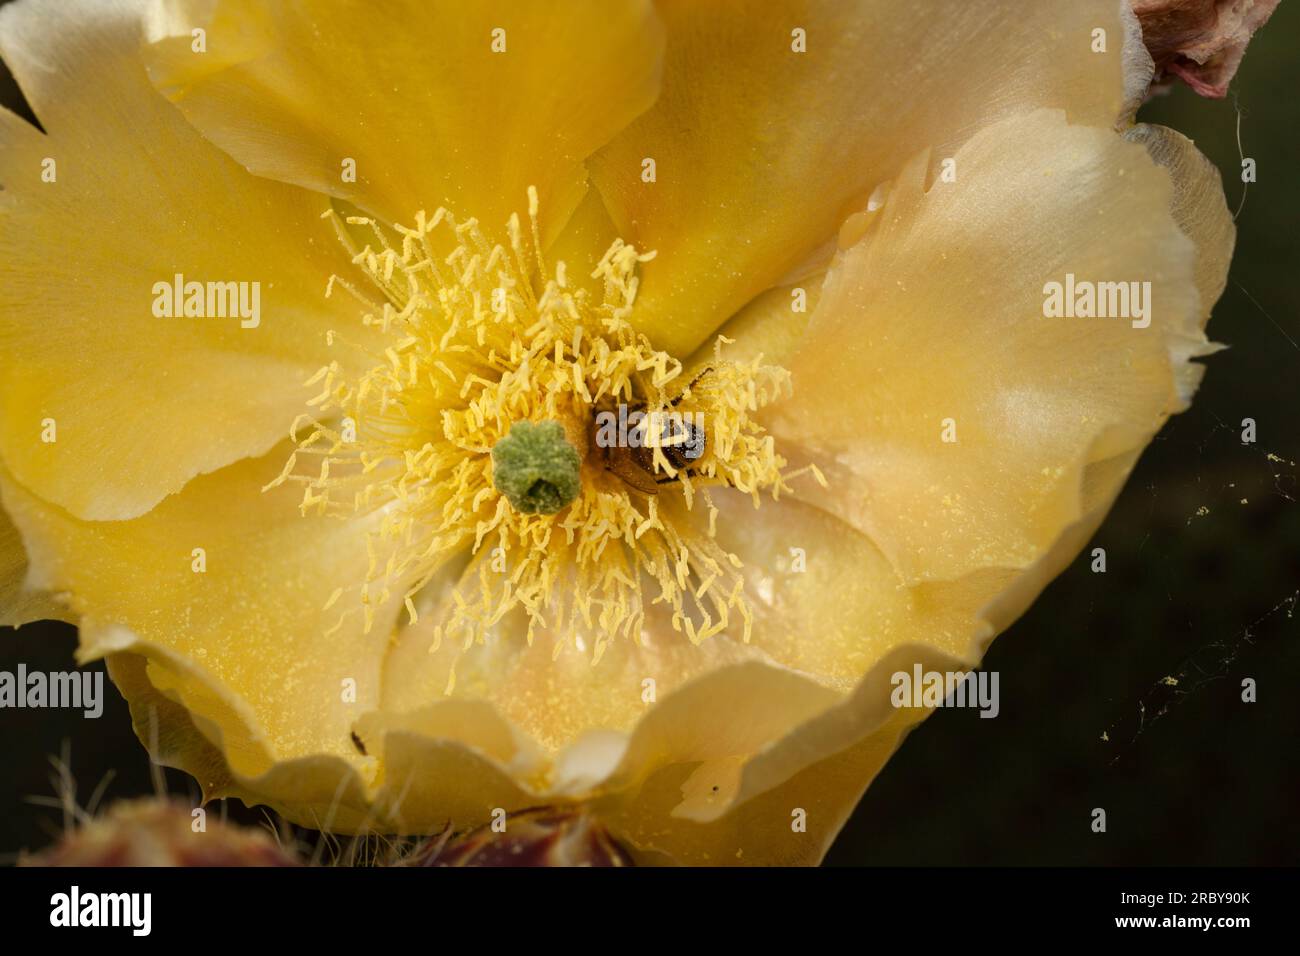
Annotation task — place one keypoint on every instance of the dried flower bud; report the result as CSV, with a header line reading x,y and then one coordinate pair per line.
x,y
1201,41
160,833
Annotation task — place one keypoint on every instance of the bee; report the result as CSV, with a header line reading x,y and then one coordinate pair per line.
x,y
681,441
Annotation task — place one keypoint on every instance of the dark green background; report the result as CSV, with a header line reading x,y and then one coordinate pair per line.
x,y
1202,778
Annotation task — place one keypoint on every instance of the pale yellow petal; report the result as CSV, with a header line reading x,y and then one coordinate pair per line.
x,y
105,407
430,781
1202,214
414,94
442,781
577,724
761,151
582,243
792,824
1199,206
874,628
770,327
951,416
223,589
166,728
552,699
19,603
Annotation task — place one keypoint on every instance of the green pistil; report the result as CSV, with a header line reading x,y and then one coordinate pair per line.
x,y
536,468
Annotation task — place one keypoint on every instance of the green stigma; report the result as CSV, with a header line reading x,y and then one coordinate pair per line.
x,y
536,468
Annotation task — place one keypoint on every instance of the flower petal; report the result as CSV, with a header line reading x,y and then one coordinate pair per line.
x,y
769,327
444,779
762,151
875,627
1198,206
415,95
932,327
139,403
19,603
239,635
761,831
571,725
552,700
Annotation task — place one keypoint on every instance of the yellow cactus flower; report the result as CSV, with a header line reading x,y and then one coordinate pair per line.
x,y
433,410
